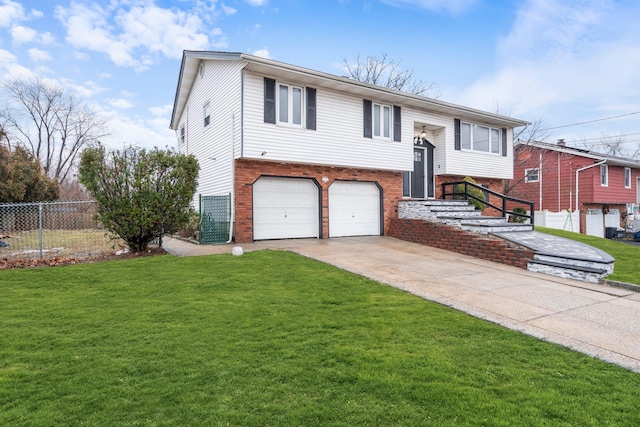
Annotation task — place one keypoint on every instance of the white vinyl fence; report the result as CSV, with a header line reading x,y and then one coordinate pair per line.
x,y
563,220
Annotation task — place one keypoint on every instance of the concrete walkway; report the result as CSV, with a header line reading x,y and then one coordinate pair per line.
x,y
598,320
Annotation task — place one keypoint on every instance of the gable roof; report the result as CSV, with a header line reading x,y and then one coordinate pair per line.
x,y
191,61
582,152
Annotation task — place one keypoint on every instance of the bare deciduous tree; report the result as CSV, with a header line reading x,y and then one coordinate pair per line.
x,y
383,71
51,123
614,145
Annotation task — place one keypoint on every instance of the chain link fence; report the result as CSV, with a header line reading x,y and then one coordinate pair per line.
x,y
53,229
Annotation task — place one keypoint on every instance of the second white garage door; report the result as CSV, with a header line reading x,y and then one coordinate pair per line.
x,y
285,208
354,209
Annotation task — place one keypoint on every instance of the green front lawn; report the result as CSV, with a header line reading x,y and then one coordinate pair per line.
x,y
275,339
627,256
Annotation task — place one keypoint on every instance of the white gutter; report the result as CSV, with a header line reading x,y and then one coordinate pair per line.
x,y
580,170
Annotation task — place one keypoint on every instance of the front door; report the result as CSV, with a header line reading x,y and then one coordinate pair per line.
x,y
417,177
419,183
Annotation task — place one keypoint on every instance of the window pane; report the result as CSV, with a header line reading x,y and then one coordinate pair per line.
x,y
206,114
386,123
603,174
465,136
376,120
297,105
284,104
480,138
495,141
627,177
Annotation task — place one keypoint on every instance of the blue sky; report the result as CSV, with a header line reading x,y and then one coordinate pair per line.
x,y
562,61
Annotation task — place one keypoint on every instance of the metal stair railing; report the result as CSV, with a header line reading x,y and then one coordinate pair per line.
x,y
466,195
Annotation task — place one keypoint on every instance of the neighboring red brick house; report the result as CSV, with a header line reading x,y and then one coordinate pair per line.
x,y
558,177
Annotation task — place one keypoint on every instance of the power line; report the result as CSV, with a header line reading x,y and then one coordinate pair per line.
x,y
592,121
600,138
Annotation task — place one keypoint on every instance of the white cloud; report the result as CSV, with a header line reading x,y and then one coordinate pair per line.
x,y
228,10
121,103
10,13
257,2
10,68
162,111
562,56
21,34
39,55
85,90
263,53
133,130
452,6
134,37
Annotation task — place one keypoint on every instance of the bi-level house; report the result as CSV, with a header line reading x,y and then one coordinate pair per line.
x,y
559,177
303,153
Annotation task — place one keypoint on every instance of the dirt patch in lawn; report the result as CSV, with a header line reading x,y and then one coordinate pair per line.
x,y
7,263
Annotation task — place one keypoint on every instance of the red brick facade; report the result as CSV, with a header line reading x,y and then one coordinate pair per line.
x,y
457,240
248,171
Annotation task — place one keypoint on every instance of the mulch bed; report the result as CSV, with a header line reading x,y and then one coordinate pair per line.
x,y
6,263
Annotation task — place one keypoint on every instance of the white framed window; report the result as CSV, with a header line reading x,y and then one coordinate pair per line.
x,y
182,134
604,175
627,177
480,138
290,103
532,175
206,111
381,119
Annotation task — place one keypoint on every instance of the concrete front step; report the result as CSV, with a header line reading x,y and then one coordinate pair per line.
x,y
562,257
568,271
487,228
594,265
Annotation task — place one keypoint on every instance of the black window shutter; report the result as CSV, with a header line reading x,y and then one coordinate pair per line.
x,y
456,127
397,124
269,100
367,118
504,142
311,108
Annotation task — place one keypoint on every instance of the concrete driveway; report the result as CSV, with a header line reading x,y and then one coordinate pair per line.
x,y
598,320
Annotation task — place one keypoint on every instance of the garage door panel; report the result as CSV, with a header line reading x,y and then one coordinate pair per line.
x,y
285,208
354,209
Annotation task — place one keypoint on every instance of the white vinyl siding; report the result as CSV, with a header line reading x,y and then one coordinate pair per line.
x,y
447,160
338,140
213,148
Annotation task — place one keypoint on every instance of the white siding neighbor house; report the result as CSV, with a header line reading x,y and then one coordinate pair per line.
x,y
302,153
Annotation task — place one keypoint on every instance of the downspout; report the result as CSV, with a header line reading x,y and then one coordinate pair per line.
x,y
559,207
233,180
580,170
540,181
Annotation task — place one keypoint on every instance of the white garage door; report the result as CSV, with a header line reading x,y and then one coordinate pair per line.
x,y
354,209
594,223
285,208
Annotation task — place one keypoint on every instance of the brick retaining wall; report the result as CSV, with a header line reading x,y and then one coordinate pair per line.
x,y
451,238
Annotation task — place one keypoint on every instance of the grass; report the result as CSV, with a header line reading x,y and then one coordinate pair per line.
x,y
274,339
626,256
